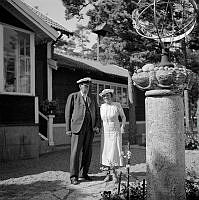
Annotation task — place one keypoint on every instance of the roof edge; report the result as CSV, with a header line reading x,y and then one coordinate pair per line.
x,y
29,14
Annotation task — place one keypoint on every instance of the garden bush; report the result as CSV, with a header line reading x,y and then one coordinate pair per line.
x,y
191,141
137,191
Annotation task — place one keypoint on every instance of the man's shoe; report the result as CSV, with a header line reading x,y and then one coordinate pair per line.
x,y
85,178
74,181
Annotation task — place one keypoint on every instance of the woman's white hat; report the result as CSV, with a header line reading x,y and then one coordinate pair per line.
x,y
105,91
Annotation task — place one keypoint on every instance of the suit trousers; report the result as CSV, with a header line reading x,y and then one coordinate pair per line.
x,y
81,149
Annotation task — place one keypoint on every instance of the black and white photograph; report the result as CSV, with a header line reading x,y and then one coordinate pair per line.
x,y
99,99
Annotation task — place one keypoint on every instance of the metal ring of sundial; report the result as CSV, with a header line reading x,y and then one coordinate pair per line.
x,y
169,20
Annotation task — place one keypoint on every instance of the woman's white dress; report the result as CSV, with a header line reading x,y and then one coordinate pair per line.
x,y
111,138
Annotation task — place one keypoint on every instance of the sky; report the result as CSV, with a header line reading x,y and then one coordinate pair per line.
x,y
55,10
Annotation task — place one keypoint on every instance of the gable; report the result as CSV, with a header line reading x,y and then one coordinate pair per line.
x,y
24,14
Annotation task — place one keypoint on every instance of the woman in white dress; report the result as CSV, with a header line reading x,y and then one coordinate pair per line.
x,y
111,138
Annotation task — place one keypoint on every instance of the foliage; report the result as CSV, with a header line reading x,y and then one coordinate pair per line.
x,y
76,45
192,185
191,141
192,190
48,107
136,191
124,40
81,35
68,45
120,46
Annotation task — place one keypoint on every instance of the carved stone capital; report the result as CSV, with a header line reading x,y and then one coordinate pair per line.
x,y
163,77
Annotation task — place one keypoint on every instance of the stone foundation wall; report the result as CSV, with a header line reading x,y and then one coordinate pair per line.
x,y
19,142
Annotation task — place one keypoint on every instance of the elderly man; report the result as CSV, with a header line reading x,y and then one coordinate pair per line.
x,y
82,120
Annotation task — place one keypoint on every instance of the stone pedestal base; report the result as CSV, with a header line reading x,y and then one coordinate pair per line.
x,y
165,151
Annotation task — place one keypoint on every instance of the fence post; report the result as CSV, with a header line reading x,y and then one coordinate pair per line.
x,y
50,130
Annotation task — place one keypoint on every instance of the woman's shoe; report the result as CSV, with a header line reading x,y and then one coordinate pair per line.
x,y
115,178
107,178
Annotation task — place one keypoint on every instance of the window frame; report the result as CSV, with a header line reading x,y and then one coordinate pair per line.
x,y
99,82
32,61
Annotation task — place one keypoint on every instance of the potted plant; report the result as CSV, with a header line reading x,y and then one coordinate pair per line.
x,y
49,107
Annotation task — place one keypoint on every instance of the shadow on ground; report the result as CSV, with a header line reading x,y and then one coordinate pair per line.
x,y
27,191
57,161
54,161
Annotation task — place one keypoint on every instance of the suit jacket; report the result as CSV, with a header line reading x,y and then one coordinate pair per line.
x,y
75,112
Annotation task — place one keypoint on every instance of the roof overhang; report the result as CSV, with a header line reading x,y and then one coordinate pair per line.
x,y
76,63
42,30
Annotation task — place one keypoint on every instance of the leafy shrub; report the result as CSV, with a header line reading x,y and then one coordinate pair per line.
x,y
192,190
138,191
191,141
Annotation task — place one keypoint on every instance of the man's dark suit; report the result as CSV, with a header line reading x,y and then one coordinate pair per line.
x,y
81,117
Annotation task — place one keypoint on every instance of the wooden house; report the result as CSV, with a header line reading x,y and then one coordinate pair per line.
x,y
26,39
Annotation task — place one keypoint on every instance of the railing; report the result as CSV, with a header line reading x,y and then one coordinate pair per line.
x,y
44,116
46,128
43,137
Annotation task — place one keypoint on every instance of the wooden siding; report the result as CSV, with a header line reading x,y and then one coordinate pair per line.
x,y
41,72
19,142
17,110
64,83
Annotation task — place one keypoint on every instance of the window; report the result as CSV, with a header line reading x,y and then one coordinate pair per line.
x,y
120,91
17,62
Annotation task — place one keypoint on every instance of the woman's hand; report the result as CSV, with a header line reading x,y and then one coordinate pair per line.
x,y
122,129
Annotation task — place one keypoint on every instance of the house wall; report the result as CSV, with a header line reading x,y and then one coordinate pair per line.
x,y
18,128
18,142
17,110
41,71
18,131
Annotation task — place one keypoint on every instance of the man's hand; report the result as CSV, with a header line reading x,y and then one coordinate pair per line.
x,y
69,133
96,130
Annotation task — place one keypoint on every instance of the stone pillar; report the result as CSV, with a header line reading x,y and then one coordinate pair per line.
x,y
165,150
165,147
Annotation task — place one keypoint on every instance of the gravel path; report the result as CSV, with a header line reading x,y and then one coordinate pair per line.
x,y
47,178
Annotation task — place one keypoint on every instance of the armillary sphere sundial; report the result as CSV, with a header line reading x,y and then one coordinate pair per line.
x,y
166,21
169,20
